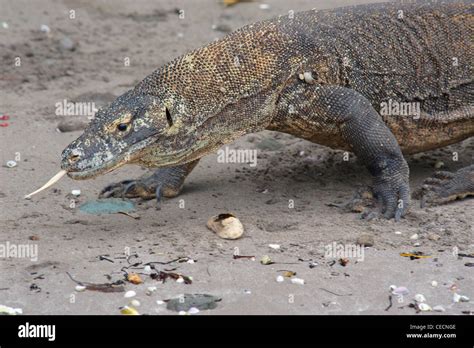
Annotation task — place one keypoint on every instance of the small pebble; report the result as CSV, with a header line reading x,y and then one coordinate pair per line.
x,y
45,29
67,44
434,283
414,236
129,294
312,264
365,240
392,287
190,261
264,6
11,164
182,313
439,309
147,269
424,307
398,232
274,246
280,279
150,290
248,292
4,25
180,280
135,303
159,302
400,291
460,298
439,164
71,125
80,288
266,260
297,281
419,298
76,192
417,244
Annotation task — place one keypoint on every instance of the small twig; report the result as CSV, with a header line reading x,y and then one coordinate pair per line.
x,y
243,257
102,257
335,293
107,287
390,303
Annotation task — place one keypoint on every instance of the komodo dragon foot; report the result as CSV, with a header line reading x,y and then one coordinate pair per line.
x,y
444,187
166,182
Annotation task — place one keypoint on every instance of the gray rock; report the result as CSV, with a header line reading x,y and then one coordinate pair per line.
x,y
187,301
365,240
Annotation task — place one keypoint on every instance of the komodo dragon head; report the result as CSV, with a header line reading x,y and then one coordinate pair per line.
x,y
184,110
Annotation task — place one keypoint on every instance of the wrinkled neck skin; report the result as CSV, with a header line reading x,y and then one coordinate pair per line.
x,y
217,94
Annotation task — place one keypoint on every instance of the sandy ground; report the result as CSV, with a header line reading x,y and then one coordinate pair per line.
x,y
151,33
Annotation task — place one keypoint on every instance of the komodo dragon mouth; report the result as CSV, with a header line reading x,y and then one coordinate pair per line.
x,y
95,166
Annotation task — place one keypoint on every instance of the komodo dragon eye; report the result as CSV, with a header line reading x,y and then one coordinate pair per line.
x,y
122,127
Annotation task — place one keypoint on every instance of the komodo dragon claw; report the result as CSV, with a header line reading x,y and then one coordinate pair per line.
x,y
165,182
444,187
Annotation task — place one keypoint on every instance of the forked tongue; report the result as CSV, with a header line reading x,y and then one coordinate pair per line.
x,y
51,182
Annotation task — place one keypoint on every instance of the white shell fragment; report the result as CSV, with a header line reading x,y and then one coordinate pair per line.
x,y
150,290
439,309
45,29
424,307
193,310
274,246
414,236
135,303
160,302
80,288
280,279
76,193
51,182
400,291
180,280
130,294
308,77
226,226
10,311
419,298
460,298
11,164
434,283
297,281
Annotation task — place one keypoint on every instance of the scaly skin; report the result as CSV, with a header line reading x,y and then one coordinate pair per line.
x,y
319,75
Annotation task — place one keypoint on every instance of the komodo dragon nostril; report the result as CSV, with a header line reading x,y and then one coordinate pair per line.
x,y
73,156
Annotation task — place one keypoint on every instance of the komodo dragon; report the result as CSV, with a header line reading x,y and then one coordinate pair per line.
x,y
323,76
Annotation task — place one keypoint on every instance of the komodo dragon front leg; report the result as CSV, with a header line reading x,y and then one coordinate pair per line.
x,y
166,182
316,108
